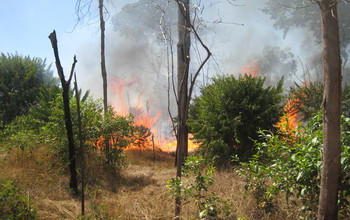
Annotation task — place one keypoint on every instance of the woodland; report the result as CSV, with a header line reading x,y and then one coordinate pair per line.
x,y
264,143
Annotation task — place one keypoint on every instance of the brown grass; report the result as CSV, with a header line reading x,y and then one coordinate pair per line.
x,y
137,192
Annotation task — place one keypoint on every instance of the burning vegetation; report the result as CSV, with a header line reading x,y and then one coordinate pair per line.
x,y
146,121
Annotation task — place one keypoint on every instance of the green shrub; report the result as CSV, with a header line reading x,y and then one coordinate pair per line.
x,y
293,164
14,204
225,118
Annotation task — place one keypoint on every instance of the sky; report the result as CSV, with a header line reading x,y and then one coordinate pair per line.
x,y
133,55
25,26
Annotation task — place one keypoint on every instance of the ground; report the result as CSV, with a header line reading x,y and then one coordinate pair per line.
x,y
138,192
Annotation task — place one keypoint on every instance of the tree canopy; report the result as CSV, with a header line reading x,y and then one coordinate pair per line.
x,y
22,79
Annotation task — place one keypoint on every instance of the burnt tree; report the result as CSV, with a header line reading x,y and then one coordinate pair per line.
x,y
73,183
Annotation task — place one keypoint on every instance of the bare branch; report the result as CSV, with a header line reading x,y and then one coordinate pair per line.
x,y
72,69
53,40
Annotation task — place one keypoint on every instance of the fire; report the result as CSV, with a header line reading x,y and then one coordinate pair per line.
x,y
171,146
289,122
251,69
145,134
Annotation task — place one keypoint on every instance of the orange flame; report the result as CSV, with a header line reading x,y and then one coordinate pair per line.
x,y
251,69
289,122
146,134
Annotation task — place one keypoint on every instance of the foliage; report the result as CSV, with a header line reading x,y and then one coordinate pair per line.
x,y
305,14
22,133
22,79
95,128
197,190
309,98
116,133
14,204
293,165
226,117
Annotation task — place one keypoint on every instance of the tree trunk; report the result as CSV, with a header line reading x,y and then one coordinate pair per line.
x,y
183,62
103,59
73,184
81,145
331,111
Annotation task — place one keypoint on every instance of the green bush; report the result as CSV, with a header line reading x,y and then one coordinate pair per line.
x,y
96,127
14,204
294,164
225,118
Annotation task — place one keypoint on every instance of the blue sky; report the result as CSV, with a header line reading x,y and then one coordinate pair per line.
x,y
25,25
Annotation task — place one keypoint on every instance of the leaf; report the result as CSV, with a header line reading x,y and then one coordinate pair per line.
x,y
300,174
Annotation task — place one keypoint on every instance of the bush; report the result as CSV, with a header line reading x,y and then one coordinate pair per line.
x,y
14,204
294,164
225,118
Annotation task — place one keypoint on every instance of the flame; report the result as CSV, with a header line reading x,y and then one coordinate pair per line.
x,y
251,69
145,134
289,122
171,145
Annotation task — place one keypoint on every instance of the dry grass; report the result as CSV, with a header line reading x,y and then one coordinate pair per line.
x,y
137,192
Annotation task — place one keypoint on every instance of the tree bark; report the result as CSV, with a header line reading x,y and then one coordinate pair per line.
x,y
331,111
183,63
103,58
73,184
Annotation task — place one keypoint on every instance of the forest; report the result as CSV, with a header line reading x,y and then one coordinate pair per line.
x,y
179,129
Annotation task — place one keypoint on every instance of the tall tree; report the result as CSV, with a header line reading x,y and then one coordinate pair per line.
x,y
73,184
83,8
331,110
185,85
183,64
103,59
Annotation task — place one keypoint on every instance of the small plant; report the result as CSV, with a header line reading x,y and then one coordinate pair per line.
x,y
197,189
14,204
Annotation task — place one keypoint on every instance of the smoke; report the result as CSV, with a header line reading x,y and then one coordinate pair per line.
x,y
237,34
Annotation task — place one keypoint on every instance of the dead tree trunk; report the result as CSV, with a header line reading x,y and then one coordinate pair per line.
x,y
73,184
331,111
103,58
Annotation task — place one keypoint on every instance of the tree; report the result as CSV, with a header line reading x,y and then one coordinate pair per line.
x,y
276,62
305,14
82,10
73,184
227,115
331,110
22,79
103,59
185,85
183,64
